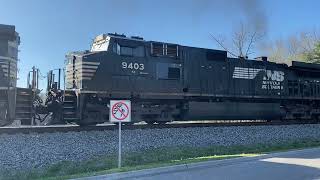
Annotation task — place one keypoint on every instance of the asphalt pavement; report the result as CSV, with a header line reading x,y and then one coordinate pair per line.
x,y
293,165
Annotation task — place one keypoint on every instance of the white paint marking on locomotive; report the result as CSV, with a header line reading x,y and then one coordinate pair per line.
x,y
271,79
8,58
132,65
251,73
145,73
245,73
83,70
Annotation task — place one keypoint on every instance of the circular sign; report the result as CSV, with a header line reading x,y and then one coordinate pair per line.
x,y
120,111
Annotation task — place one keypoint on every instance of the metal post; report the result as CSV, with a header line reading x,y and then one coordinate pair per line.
x,y
64,79
59,78
48,80
64,82
28,80
37,79
33,77
9,72
119,148
8,93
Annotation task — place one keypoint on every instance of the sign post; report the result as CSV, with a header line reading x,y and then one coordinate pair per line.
x,y
120,111
119,149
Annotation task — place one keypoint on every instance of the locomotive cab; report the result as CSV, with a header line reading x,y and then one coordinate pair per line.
x,y
118,67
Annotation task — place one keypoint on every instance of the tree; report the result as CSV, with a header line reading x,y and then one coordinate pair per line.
x,y
298,47
314,55
277,51
243,40
317,53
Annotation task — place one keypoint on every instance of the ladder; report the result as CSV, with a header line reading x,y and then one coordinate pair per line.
x,y
24,110
70,106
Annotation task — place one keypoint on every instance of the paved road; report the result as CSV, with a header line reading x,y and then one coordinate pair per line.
x,y
293,165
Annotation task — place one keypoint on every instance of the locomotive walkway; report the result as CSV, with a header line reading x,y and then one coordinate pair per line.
x,y
299,164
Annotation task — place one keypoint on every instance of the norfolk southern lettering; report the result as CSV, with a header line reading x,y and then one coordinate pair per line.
x,y
271,79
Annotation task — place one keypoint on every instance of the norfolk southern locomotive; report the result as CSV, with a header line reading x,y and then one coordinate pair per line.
x,y
167,82
9,41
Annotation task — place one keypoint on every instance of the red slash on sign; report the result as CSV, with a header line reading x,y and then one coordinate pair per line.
x,y
120,111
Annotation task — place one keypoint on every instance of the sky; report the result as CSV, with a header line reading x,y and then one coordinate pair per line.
x,y
49,29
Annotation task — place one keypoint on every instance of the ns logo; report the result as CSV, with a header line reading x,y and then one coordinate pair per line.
x,y
274,76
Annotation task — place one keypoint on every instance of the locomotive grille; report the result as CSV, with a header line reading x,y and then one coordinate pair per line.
x,y
5,64
76,73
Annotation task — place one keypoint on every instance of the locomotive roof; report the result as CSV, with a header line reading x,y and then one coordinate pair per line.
x,y
141,40
8,32
118,36
136,40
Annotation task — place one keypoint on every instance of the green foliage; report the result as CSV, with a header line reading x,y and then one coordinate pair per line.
x,y
313,56
317,53
303,46
153,158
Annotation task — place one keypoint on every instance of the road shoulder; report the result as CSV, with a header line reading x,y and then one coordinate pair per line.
x,y
194,166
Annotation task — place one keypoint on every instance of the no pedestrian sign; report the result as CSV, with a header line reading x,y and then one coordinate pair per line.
x,y
120,111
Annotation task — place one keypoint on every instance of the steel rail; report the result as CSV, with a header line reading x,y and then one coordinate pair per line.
x,y
112,127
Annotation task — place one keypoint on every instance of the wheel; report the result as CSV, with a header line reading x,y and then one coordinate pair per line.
x,y
86,123
162,122
3,116
150,122
128,123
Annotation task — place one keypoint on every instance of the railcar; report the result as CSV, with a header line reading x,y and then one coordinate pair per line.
x,y
9,41
168,82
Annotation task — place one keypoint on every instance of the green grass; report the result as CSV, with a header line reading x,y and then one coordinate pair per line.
x,y
153,158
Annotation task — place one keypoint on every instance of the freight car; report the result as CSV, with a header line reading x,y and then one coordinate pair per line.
x,y
167,82
9,41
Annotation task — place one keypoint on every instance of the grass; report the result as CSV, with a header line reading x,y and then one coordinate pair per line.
x,y
153,158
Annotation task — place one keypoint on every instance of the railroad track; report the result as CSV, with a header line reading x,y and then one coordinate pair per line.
x,y
111,127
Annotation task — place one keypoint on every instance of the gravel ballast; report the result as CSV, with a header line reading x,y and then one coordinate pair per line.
x,y
26,151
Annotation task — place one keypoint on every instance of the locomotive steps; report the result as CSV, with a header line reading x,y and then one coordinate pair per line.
x,y
69,106
24,105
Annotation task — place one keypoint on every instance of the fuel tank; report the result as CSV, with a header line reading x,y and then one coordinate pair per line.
x,y
232,110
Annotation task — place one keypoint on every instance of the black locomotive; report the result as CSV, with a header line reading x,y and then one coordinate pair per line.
x,y
167,82
9,41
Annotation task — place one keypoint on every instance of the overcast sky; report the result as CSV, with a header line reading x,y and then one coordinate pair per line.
x,y
49,29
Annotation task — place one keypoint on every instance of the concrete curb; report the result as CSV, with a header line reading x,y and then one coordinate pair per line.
x,y
184,167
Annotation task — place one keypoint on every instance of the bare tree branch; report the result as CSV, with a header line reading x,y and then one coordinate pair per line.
x,y
251,42
221,44
243,39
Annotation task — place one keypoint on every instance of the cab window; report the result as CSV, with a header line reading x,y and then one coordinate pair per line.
x,y
129,51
